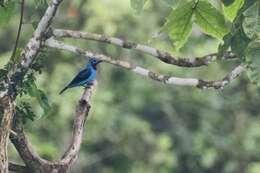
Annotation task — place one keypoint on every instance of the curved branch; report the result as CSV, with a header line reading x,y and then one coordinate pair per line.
x,y
40,165
148,73
162,55
24,147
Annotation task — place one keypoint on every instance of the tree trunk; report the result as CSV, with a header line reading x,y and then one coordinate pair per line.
x,y
4,132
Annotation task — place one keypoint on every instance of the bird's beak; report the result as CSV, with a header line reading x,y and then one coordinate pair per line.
x,y
99,61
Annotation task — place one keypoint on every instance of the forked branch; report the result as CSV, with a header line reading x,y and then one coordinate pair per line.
x,y
39,165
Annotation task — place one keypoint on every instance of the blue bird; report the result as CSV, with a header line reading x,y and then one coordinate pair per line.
x,y
85,77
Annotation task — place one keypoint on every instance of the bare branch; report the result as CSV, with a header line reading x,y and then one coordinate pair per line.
x,y
147,73
162,55
31,157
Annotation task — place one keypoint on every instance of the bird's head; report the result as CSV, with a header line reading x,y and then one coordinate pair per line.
x,y
94,62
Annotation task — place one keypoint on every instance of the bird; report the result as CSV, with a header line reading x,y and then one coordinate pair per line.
x,y
85,77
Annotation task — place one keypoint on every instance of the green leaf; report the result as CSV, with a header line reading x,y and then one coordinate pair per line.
x,y
252,58
24,111
239,42
40,96
237,39
179,24
138,5
6,12
210,20
251,23
43,101
227,2
231,11
224,47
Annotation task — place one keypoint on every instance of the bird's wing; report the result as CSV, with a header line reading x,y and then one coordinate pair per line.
x,y
82,76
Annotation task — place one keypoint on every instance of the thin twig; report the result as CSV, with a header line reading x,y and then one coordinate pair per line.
x,y
19,29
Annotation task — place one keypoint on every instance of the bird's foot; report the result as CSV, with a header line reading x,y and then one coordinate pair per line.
x,y
88,85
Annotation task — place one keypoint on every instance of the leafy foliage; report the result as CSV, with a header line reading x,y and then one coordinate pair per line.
x,y
41,97
244,36
210,20
251,23
230,11
179,24
253,60
28,86
24,111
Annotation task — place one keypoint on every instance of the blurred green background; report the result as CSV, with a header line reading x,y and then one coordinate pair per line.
x,y
137,125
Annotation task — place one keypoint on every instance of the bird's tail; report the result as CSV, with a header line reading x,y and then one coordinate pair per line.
x,y
63,90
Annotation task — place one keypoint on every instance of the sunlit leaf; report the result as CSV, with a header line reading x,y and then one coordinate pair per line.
x,y
210,20
231,11
179,24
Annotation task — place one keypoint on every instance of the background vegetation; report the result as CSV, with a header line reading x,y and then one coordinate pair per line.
x,y
137,125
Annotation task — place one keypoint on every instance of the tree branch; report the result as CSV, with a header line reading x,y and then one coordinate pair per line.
x,y
31,49
8,106
78,127
24,147
162,55
18,168
19,29
147,73
31,157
